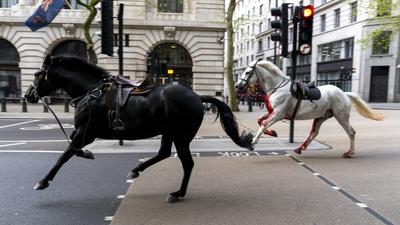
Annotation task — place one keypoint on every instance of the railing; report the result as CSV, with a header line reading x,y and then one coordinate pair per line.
x,y
24,106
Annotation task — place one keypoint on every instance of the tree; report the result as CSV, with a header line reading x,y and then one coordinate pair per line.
x,y
229,58
86,27
381,13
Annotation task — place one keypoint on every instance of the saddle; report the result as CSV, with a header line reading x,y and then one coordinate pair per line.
x,y
125,88
307,91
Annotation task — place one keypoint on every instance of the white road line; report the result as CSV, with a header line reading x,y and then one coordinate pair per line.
x,y
108,218
17,124
336,188
29,151
12,144
120,196
129,181
362,205
32,141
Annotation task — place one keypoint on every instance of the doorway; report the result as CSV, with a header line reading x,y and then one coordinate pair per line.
x,y
379,84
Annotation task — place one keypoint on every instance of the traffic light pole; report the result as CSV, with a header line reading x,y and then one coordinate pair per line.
x,y
121,46
294,63
120,39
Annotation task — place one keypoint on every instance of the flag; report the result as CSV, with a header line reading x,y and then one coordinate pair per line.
x,y
43,16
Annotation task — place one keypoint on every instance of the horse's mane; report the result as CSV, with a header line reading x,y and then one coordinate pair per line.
x,y
272,68
79,63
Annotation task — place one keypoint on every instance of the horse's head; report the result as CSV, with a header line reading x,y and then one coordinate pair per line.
x,y
247,77
41,85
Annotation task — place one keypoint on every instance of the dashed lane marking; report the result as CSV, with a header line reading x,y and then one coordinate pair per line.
x,y
343,192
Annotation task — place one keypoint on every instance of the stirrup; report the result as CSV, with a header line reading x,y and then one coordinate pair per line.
x,y
118,125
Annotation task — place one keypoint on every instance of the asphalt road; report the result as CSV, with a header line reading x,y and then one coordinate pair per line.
x,y
85,192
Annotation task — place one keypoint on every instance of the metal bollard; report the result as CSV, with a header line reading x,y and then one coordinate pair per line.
x,y
24,106
46,100
66,105
250,103
121,142
3,105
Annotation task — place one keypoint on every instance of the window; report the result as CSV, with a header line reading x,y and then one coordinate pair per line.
x,y
247,60
268,42
7,3
260,27
323,2
342,49
336,78
248,45
254,11
260,45
248,14
253,28
337,18
170,6
261,10
383,8
323,23
269,24
353,15
381,43
290,34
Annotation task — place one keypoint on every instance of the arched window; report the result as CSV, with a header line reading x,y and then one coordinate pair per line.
x,y
10,75
173,63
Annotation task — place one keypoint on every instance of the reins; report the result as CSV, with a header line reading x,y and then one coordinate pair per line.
x,y
58,121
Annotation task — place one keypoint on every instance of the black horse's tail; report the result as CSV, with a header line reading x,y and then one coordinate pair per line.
x,y
229,124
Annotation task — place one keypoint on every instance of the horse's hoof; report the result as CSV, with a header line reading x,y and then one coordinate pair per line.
x,y
85,154
172,199
347,155
251,148
41,185
273,133
298,151
133,174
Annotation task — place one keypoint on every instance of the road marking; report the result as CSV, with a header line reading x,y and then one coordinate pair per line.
x,y
120,196
12,144
17,124
30,151
343,192
362,205
108,218
129,181
32,141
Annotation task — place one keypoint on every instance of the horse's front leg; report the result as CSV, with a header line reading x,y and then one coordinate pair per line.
x,y
79,140
260,121
270,119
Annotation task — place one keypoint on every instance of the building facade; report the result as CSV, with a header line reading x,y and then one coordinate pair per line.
x,y
338,55
185,34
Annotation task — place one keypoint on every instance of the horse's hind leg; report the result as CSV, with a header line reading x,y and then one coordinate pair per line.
x,y
185,156
163,153
314,131
343,120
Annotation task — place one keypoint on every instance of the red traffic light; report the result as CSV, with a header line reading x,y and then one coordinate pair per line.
x,y
307,12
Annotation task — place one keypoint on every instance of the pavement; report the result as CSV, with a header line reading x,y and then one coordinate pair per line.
x,y
317,187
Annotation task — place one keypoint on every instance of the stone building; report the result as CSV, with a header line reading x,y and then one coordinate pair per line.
x,y
186,35
337,57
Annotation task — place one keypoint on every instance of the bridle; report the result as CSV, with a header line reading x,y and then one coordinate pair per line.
x,y
254,71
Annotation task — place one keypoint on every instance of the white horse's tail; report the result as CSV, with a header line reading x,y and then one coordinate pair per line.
x,y
363,108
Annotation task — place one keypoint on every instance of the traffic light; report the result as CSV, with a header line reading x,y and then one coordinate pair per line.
x,y
281,24
107,29
305,29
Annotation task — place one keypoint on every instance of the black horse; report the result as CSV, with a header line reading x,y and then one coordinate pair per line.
x,y
173,111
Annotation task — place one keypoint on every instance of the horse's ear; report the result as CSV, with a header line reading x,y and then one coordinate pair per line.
x,y
47,61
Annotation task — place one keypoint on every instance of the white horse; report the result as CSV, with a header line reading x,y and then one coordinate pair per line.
x,y
281,104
